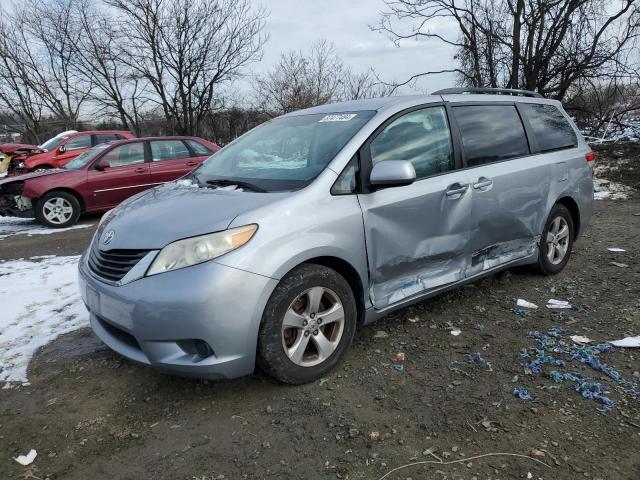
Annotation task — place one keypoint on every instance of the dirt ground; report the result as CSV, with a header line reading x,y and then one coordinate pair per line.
x,y
92,414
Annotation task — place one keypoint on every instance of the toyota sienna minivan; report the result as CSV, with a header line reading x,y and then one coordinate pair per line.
x,y
278,246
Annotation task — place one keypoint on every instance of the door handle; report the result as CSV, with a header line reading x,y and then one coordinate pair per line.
x,y
482,183
141,170
191,163
456,190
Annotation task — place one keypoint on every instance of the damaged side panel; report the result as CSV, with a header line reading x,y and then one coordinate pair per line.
x,y
417,238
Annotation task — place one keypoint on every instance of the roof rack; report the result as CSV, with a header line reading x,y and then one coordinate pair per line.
x,y
488,91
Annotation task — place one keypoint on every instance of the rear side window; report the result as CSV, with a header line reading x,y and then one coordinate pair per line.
x,y
104,138
198,148
168,150
490,133
550,127
421,137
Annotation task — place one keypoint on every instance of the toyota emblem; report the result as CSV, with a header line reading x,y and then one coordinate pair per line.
x,y
106,239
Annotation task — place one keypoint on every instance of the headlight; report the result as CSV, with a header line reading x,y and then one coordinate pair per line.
x,y
192,251
21,165
105,216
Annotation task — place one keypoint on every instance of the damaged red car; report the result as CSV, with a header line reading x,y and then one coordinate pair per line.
x,y
101,178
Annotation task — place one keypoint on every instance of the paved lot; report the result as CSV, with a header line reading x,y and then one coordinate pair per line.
x,y
92,414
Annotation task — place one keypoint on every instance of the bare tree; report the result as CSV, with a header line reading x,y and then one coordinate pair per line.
x,y
44,37
117,89
302,80
16,94
543,45
187,49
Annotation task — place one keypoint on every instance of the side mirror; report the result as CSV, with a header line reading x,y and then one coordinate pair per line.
x,y
62,149
102,164
392,173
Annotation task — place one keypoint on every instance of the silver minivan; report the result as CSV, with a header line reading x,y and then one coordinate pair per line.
x,y
279,245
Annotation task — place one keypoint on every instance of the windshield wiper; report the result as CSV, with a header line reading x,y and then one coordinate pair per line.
x,y
222,182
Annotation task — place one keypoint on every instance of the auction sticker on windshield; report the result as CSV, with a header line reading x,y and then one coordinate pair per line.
x,y
344,117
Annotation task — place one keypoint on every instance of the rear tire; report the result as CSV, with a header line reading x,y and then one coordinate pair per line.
x,y
307,325
58,209
556,241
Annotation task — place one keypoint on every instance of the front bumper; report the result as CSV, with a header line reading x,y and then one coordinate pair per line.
x,y
153,320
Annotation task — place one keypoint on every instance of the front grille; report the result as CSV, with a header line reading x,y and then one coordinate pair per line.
x,y
114,264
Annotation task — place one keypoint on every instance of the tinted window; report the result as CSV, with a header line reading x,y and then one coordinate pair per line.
x,y
198,148
104,138
83,141
549,125
168,150
490,133
127,154
422,137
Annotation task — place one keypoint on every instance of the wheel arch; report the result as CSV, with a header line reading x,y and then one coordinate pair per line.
x,y
574,210
66,190
348,271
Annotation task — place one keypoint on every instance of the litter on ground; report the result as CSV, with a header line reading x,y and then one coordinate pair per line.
x,y
27,459
522,393
580,339
553,303
627,342
523,303
455,332
616,250
618,264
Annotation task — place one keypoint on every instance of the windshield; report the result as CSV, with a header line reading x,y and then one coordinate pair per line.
x,y
81,160
286,153
54,142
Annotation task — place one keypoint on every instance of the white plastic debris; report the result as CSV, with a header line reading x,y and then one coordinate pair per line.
x,y
627,342
26,459
616,250
618,264
523,303
455,332
580,340
553,303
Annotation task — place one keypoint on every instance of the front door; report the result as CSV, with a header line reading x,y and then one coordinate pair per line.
x,y
417,235
72,148
126,175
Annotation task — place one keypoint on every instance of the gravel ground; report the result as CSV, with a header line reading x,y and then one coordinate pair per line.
x,y
92,414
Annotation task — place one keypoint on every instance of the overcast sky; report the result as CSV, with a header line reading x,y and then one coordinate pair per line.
x,y
297,24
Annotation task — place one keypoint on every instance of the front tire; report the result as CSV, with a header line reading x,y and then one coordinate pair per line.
x,y
58,209
307,325
556,241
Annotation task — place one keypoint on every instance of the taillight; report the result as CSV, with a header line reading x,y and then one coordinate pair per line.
x,y
590,157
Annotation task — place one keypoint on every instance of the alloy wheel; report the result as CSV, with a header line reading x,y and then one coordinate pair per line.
x,y
557,240
57,210
312,326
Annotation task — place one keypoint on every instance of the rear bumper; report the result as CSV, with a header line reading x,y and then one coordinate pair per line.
x,y
155,320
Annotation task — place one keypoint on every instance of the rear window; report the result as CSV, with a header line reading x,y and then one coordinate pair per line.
x,y
106,137
550,127
490,133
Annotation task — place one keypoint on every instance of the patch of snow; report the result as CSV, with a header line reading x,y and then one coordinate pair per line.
x,y
606,189
28,226
40,301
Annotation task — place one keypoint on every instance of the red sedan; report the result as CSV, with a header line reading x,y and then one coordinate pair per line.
x,y
101,178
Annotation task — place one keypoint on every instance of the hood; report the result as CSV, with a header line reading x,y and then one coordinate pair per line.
x,y
177,210
27,176
13,147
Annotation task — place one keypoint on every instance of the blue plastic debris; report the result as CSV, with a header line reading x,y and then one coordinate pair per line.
x,y
479,360
480,327
551,341
522,393
521,312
